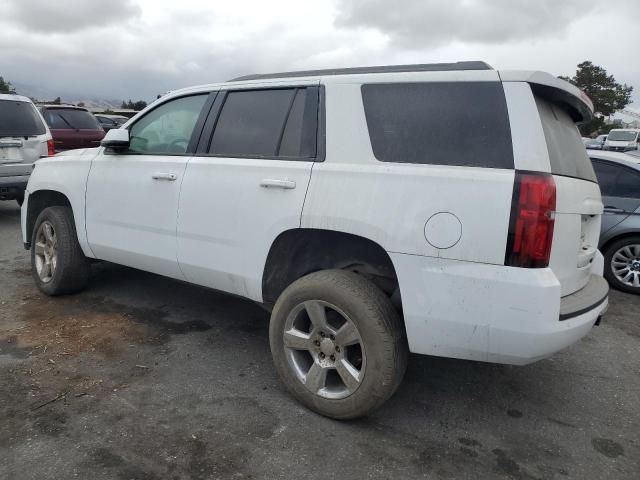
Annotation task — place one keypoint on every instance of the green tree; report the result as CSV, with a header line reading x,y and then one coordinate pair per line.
x,y
57,101
80,104
139,105
608,96
6,87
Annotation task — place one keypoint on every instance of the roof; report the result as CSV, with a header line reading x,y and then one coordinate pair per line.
x,y
14,97
55,105
616,157
423,67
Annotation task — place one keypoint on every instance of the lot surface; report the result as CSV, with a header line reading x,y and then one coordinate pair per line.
x,y
141,377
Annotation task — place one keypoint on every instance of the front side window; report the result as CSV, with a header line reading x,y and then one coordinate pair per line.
x,y
277,123
441,123
167,129
70,119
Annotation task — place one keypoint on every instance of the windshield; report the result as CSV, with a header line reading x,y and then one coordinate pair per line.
x,y
19,119
622,136
69,118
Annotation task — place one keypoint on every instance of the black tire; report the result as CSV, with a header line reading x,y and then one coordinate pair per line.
x,y
380,328
72,269
608,268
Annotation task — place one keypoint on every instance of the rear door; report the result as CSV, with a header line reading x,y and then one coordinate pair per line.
x,y
246,185
620,187
578,199
22,137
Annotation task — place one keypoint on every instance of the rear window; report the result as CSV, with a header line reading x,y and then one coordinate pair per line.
x,y
443,123
567,154
19,119
70,119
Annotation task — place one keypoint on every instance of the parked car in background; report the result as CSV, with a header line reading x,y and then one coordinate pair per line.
x,y
107,122
622,140
596,143
24,138
619,178
370,227
72,127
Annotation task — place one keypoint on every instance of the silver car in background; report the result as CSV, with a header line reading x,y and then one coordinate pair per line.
x,y
619,178
24,138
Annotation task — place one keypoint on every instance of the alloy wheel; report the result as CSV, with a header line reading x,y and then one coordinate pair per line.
x,y
46,252
324,349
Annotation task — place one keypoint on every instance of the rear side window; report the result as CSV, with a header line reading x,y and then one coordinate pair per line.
x,y
19,119
567,154
70,119
277,123
616,180
441,123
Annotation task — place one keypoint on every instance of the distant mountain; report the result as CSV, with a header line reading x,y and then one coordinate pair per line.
x,y
44,95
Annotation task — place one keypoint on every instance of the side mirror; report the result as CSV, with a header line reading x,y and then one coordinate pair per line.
x,y
116,138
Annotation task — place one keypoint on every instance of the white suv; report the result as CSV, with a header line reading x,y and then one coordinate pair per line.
x,y
443,209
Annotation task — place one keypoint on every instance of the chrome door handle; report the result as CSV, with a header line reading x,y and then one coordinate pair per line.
x,y
171,177
273,183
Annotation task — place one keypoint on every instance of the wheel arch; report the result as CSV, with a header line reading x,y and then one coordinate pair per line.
x,y
297,252
38,201
610,241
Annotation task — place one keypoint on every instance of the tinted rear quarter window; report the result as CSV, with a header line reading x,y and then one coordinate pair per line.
x,y
443,123
70,119
567,154
19,119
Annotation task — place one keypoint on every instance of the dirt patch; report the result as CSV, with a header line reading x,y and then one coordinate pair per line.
x,y
68,326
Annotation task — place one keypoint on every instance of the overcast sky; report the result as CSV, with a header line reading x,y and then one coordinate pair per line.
x,y
114,49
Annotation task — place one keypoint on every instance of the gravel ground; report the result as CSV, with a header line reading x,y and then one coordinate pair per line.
x,y
142,377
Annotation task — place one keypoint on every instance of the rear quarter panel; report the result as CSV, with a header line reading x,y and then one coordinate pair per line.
x,y
390,203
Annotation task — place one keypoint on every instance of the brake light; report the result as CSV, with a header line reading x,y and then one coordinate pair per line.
x,y
51,149
531,224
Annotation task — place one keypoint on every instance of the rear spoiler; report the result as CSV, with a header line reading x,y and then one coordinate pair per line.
x,y
558,91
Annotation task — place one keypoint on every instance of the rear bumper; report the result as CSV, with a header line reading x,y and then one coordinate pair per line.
x,y
13,187
492,313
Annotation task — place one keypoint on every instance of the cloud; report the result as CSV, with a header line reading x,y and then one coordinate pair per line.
x,y
68,15
121,49
418,24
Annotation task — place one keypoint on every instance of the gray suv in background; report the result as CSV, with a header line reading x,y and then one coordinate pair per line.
x,y
24,138
619,178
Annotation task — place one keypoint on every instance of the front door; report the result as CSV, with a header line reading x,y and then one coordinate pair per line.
x,y
132,196
246,185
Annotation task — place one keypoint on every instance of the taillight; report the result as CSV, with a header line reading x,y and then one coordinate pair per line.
x,y
51,148
531,224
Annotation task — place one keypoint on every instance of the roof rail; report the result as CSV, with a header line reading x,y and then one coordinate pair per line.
x,y
425,67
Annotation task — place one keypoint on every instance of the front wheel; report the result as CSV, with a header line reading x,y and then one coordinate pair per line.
x,y
57,262
622,264
338,343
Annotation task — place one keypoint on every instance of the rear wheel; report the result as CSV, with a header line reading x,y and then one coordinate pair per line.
x,y
57,262
622,264
338,343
